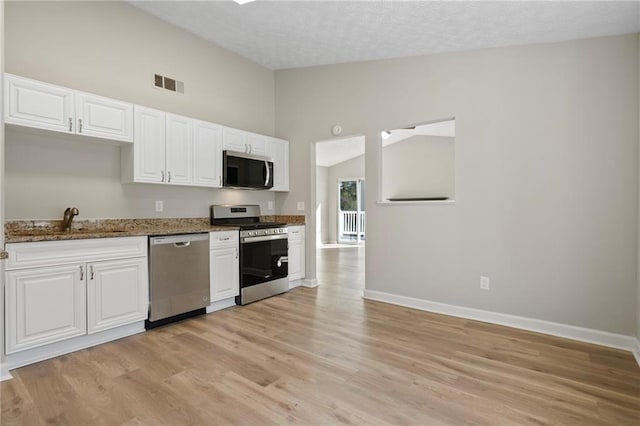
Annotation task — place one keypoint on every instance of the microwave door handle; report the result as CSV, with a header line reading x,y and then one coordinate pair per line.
x,y
266,182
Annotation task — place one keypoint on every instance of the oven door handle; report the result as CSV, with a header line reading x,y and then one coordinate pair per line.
x,y
264,238
283,259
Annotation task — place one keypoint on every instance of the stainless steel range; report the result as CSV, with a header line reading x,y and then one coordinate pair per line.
x,y
263,251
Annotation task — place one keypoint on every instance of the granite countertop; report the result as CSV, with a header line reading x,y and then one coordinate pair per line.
x,y
20,231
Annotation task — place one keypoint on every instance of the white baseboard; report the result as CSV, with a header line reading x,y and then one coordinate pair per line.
x,y
4,373
598,337
310,282
636,351
294,284
53,350
221,304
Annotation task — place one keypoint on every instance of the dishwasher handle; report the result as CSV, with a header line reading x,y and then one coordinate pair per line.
x,y
183,240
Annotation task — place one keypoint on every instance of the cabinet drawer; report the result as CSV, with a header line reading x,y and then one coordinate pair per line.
x,y
296,233
44,253
223,239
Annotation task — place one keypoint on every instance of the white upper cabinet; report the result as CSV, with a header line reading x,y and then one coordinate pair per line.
x,y
207,154
148,146
162,149
32,103
102,117
179,150
234,140
256,144
278,150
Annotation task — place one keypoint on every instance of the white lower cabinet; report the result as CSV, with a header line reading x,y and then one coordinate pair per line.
x,y
44,305
296,252
58,290
114,294
224,265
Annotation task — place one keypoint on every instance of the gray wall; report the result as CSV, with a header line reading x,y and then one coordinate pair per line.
x,y
419,166
546,175
638,270
113,49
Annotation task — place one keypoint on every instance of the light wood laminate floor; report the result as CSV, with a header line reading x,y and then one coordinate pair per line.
x,y
325,356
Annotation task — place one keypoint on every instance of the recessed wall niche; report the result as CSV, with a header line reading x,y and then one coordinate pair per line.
x,y
418,162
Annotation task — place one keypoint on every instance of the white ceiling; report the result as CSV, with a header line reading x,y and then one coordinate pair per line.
x,y
300,33
334,151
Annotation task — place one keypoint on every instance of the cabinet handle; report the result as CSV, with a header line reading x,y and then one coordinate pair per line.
x,y
162,173
168,177
236,252
70,124
91,269
225,239
79,125
81,272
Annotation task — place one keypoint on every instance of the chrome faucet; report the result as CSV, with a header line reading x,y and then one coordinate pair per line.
x,y
69,214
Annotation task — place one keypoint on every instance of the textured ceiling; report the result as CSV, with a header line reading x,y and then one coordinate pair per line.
x,y
293,34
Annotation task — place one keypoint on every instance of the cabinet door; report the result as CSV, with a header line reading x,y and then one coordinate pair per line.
x,y
279,151
296,253
257,144
117,293
179,150
104,117
225,280
44,305
149,145
207,154
234,140
34,104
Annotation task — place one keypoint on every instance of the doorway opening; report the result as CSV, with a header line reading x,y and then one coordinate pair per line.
x,y
340,212
351,211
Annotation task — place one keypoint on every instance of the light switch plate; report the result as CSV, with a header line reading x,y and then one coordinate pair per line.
x,y
300,205
159,205
270,205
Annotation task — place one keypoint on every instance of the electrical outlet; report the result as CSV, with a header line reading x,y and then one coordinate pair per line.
x,y
484,283
270,205
159,205
301,205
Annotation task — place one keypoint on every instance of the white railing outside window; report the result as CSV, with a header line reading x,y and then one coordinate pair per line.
x,y
352,223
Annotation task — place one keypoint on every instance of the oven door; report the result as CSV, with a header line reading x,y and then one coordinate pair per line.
x,y
263,259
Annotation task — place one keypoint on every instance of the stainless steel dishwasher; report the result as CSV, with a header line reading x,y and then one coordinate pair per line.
x,y
178,277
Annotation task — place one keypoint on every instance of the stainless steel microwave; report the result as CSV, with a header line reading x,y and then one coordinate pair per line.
x,y
246,171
